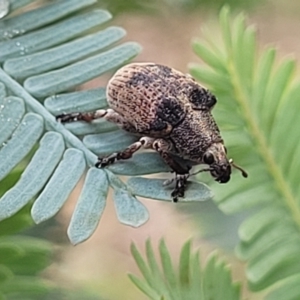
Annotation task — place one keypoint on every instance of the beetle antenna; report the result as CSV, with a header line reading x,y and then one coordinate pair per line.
x,y
244,173
199,171
169,181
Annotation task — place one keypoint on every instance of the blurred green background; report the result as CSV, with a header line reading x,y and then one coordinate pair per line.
x,y
165,30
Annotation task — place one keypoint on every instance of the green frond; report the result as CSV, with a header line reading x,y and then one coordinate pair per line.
x,y
45,53
258,113
187,281
21,259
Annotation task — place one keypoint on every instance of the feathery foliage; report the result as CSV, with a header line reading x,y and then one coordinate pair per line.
x,y
23,258
259,117
45,52
156,6
187,281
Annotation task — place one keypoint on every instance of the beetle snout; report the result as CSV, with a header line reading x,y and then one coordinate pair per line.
x,y
224,178
222,173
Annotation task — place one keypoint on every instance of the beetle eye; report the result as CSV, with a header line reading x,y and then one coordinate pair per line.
x,y
208,158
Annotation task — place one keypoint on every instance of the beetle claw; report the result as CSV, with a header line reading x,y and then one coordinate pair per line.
x,y
181,181
67,118
176,194
99,164
105,161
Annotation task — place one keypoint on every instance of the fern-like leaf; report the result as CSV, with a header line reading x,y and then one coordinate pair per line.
x,y
189,282
23,258
46,52
258,114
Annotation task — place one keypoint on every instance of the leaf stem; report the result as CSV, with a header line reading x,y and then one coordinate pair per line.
x,y
51,124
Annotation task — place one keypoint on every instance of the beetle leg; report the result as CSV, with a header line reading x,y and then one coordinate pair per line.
x,y
78,116
180,181
108,114
181,173
144,142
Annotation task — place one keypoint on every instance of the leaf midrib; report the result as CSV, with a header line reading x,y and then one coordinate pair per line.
x,y
51,124
262,146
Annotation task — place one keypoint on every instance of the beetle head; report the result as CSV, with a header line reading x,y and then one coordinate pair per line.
x,y
219,166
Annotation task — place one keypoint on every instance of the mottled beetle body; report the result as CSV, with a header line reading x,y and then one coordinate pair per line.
x,y
172,114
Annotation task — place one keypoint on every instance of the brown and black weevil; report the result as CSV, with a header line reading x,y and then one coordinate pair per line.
x,y
171,113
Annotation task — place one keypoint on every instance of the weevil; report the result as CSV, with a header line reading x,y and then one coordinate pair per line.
x,y
171,113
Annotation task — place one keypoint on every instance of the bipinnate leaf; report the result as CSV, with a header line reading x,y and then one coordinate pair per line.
x,y
22,258
257,110
162,280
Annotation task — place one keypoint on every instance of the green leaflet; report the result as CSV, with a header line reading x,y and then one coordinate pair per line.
x,y
60,185
44,38
15,4
287,291
84,129
155,189
62,55
140,164
105,143
63,79
129,210
4,8
39,17
11,111
90,206
76,101
23,140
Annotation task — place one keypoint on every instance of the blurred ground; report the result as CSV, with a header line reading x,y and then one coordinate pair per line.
x,y
102,262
